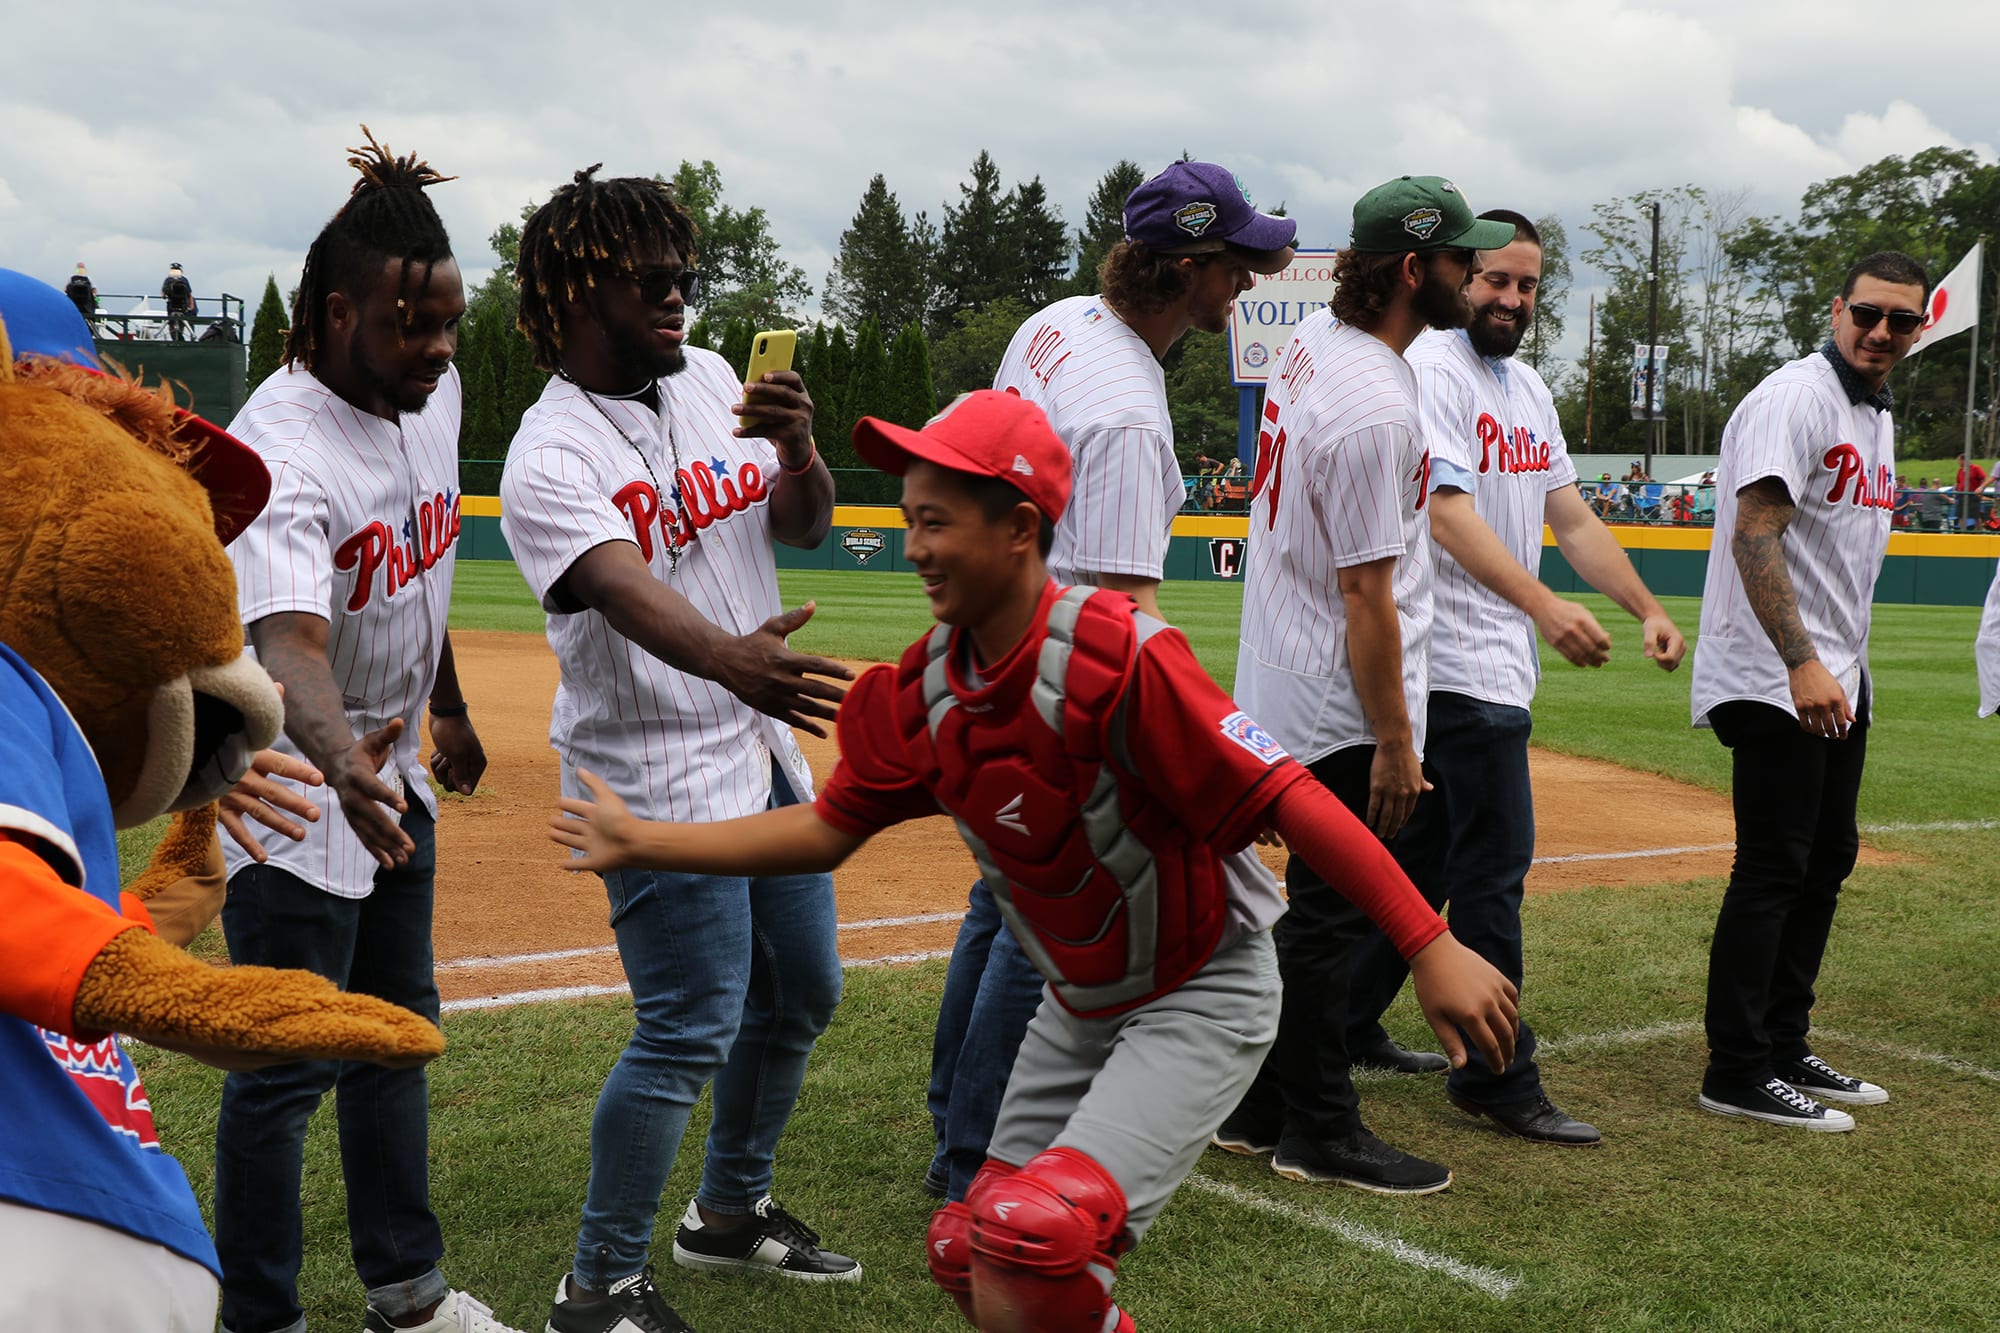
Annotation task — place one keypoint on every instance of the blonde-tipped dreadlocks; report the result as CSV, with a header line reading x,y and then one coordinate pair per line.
x,y
590,229
387,216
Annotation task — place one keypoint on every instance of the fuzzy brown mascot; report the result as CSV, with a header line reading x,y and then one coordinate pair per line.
x,y
124,694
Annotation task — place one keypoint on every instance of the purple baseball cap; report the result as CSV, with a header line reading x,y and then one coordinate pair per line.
x,y
1199,207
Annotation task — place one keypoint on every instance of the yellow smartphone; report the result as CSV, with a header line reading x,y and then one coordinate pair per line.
x,y
769,351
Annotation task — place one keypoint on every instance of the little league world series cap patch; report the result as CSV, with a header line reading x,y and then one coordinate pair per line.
x,y
1422,213
1199,207
986,433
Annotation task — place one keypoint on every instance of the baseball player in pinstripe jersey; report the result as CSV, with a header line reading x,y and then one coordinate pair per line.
x,y
1193,241
1336,619
1499,471
1804,493
642,515
344,583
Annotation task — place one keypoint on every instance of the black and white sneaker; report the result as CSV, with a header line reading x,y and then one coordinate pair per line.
x,y
1816,1078
1775,1102
773,1241
633,1305
1358,1159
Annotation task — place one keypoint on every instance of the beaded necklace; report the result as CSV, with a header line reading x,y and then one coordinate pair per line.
x,y
666,412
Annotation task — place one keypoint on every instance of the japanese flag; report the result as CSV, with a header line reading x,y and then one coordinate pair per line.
x,y
1954,302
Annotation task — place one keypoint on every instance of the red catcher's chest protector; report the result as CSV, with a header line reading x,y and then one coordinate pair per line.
x,y
1110,896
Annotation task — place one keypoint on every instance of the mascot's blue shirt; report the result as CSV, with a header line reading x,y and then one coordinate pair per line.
x,y
76,1131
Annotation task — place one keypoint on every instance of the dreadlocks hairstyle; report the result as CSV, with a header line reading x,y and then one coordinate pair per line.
x,y
387,216
589,230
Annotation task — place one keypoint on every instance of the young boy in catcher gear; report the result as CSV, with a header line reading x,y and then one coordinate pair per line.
x,y
1102,782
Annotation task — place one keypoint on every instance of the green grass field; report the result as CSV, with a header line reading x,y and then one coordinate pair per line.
x,y
1681,1220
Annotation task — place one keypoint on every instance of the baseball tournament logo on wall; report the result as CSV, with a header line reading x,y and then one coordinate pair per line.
x,y
862,543
1225,556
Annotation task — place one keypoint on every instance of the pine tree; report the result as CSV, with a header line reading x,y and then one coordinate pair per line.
x,y
267,337
832,424
915,398
1033,236
974,267
1103,224
736,338
883,267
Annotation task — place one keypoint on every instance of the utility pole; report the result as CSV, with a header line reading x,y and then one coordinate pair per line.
x,y
1590,372
1652,336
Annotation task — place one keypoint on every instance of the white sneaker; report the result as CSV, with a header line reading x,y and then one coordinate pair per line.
x,y
457,1313
1776,1102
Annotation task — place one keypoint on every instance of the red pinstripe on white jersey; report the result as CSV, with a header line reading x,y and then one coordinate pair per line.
x,y
362,528
675,746
1342,479
1104,393
1491,429
1838,461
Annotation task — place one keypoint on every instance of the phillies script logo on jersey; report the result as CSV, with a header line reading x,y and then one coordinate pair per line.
x,y
107,1079
1269,474
1848,467
708,501
426,538
1519,450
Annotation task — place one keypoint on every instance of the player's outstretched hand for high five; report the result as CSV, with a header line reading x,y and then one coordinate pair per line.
x,y
600,828
779,409
1460,992
258,799
1574,632
1664,643
761,669
366,800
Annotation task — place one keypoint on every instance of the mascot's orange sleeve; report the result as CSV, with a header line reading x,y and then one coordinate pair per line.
x,y
52,935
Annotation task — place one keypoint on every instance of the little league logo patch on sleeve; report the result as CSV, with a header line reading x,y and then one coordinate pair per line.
x,y
1238,727
1422,223
862,543
1195,218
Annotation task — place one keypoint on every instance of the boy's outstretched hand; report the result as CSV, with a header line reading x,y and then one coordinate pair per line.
x,y
1461,992
602,830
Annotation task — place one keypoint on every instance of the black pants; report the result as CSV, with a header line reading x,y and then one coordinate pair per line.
x,y
1796,840
1305,1082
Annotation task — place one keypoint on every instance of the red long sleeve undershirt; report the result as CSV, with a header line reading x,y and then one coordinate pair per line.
x,y
1326,836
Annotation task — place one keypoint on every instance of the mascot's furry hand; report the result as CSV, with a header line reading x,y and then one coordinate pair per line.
x,y
242,1017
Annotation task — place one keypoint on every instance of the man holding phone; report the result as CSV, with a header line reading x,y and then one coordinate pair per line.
x,y
642,513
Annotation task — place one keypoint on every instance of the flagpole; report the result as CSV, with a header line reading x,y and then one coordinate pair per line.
x,y
1964,506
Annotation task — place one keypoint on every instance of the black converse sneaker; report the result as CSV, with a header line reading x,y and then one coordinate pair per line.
x,y
633,1305
772,1241
1358,1159
1816,1078
1775,1102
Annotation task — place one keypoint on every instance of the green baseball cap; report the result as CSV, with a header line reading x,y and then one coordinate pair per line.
x,y
1422,213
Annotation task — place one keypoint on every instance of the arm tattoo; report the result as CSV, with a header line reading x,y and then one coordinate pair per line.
x,y
1763,511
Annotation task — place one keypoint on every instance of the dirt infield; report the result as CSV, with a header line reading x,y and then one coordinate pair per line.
x,y
503,894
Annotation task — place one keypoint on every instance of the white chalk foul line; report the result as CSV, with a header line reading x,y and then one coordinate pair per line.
x,y
1935,826
1914,1054
1493,1282
593,950
1633,856
556,994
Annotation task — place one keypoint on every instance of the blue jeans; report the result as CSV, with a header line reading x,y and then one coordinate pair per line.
x,y
1470,843
733,979
379,945
991,990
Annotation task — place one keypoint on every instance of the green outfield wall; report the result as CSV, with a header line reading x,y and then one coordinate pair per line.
x,y
1924,568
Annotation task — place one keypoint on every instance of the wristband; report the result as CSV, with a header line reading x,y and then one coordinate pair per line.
x,y
448,710
812,456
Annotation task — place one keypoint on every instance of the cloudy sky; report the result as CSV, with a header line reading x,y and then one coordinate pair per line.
x,y
213,133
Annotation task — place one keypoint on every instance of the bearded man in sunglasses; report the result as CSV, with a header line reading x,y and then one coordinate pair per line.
x,y
642,513
1805,495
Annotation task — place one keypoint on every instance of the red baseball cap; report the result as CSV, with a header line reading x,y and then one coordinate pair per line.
x,y
41,321
986,433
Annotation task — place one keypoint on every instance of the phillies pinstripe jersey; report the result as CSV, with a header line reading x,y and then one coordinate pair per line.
x,y
1342,479
1103,391
673,745
362,529
1490,425
1837,460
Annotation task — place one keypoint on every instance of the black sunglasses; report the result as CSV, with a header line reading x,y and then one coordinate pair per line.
x,y
655,287
1901,322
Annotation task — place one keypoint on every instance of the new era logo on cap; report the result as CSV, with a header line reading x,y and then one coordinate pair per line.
x,y
1023,466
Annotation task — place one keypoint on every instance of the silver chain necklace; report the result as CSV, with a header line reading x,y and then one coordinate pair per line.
x,y
685,524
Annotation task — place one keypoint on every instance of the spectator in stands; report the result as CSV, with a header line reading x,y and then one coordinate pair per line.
x,y
1906,503
1974,481
83,293
178,294
1681,507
